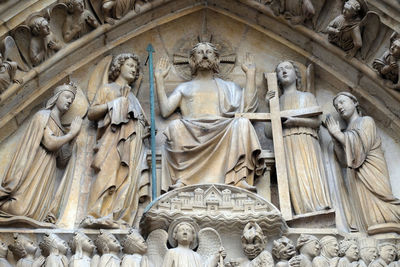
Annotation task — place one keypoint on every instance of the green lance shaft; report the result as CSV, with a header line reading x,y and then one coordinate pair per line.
x,y
150,51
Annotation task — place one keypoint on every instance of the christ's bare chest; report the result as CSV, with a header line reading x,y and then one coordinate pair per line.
x,y
200,98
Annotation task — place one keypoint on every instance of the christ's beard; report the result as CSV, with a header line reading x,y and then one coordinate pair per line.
x,y
204,64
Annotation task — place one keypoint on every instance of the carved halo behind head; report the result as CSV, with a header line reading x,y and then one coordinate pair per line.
x,y
173,228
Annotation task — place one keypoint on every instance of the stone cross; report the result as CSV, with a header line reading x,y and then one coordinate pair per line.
x,y
275,116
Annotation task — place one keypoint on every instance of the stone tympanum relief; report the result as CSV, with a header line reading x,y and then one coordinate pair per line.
x,y
120,154
388,64
372,206
74,19
307,178
308,247
207,105
28,185
356,28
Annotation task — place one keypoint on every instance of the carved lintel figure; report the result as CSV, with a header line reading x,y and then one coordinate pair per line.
x,y
43,43
82,247
55,250
209,145
78,20
308,247
307,179
3,255
283,250
24,251
29,183
349,253
387,254
109,247
135,248
297,11
329,253
355,29
388,65
183,234
120,153
254,243
359,150
368,251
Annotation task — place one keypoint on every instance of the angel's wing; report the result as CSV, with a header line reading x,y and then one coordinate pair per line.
x,y
12,53
98,77
22,36
96,5
369,26
157,247
209,243
58,15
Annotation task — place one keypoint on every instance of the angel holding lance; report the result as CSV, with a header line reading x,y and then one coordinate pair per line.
x,y
120,156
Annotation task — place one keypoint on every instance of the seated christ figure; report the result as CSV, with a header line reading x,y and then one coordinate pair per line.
x,y
209,145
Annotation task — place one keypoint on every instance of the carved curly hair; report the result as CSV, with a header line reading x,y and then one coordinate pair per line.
x,y
118,61
130,242
18,248
280,248
345,244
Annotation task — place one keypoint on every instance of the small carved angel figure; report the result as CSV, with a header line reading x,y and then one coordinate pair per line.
x,y
78,20
348,251
388,65
297,11
3,255
308,247
43,42
111,10
10,61
387,254
283,250
55,249
183,234
83,247
109,248
135,248
24,251
347,30
254,242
